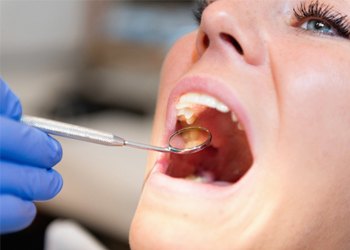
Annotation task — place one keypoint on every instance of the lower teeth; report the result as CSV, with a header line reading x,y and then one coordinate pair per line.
x,y
208,178
204,177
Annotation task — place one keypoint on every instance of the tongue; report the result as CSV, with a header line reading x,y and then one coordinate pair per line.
x,y
182,166
227,159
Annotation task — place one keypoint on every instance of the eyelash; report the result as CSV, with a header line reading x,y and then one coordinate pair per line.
x,y
305,11
325,13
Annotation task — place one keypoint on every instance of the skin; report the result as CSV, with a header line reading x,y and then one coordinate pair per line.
x,y
294,85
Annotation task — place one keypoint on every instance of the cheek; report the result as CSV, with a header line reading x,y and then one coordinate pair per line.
x,y
316,93
313,90
314,96
178,61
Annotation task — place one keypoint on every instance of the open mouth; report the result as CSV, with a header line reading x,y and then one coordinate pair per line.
x,y
228,157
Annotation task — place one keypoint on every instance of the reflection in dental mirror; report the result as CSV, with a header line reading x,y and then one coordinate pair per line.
x,y
189,140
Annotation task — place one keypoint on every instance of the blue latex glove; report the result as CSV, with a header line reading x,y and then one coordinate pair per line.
x,y
27,156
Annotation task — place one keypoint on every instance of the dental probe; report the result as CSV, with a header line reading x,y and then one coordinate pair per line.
x,y
184,141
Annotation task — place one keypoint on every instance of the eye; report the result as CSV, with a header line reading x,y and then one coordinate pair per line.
x,y
319,26
322,18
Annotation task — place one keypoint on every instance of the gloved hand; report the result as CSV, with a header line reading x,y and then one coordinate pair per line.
x,y
27,156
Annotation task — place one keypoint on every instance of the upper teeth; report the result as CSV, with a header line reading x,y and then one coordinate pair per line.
x,y
190,105
194,98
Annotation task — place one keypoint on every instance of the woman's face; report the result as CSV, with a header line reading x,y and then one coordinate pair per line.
x,y
279,177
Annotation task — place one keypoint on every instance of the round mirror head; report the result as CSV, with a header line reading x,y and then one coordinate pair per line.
x,y
189,140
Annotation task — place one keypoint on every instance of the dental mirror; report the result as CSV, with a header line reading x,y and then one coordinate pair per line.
x,y
184,141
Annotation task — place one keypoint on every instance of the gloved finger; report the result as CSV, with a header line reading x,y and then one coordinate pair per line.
x,y
10,105
27,145
29,183
15,213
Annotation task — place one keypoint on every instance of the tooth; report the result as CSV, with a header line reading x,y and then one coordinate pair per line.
x,y
208,101
191,121
195,178
222,107
190,99
239,126
189,116
180,114
188,113
183,105
234,117
205,177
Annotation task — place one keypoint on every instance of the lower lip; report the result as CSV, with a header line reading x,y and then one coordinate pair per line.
x,y
163,184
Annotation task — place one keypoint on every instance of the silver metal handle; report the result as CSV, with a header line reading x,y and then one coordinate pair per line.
x,y
73,131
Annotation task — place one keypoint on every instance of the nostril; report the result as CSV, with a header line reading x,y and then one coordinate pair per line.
x,y
202,42
206,41
228,38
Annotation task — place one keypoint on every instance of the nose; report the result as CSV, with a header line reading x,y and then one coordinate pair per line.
x,y
231,30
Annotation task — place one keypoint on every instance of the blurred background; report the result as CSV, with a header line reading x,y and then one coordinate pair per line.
x,y
96,64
